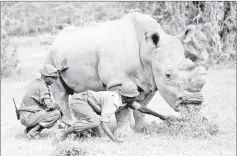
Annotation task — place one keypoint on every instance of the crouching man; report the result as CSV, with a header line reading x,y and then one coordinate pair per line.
x,y
37,110
88,105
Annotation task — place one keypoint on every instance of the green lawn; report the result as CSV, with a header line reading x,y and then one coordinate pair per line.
x,y
219,108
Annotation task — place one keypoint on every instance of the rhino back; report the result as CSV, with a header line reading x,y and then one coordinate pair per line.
x,y
96,54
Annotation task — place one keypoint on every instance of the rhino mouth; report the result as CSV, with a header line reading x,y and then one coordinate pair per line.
x,y
188,98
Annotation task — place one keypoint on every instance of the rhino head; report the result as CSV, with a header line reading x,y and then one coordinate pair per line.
x,y
178,79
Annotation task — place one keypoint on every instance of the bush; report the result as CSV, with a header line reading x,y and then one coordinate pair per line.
x,y
9,60
217,20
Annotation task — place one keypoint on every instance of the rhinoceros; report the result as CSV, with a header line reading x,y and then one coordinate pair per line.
x,y
133,50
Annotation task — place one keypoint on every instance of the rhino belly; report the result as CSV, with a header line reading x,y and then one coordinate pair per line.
x,y
82,78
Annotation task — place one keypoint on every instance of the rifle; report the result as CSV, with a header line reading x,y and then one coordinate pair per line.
x,y
17,111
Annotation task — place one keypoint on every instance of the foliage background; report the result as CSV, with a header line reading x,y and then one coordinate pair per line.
x,y
216,19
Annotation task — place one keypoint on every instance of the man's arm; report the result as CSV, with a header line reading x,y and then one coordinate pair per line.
x,y
145,110
45,97
49,105
109,133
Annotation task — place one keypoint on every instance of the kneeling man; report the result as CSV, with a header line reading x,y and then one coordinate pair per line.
x,y
88,105
37,109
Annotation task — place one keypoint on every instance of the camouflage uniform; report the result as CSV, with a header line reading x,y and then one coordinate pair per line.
x,y
37,108
88,105
33,108
91,109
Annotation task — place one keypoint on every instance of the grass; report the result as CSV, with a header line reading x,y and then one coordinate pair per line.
x,y
210,132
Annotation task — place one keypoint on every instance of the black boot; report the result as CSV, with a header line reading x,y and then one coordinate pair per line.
x,y
96,132
27,129
40,129
33,133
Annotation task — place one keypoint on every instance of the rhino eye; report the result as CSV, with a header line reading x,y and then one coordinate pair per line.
x,y
168,75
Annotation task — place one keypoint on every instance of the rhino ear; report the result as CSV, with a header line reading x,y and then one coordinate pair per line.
x,y
187,35
152,38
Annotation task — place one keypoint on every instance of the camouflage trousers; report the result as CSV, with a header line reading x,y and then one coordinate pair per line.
x,y
46,119
85,116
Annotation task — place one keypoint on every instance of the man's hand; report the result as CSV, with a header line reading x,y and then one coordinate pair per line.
x,y
52,107
109,133
170,120
49,105
60,110
173,118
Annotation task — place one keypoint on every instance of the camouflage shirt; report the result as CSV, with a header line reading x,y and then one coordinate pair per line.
x,y
105,103
33,99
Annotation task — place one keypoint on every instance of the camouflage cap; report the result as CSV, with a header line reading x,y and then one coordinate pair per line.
x,y
129,90
49,70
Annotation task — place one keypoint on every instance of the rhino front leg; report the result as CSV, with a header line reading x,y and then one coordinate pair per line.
x,y
61,98
123,118
140,117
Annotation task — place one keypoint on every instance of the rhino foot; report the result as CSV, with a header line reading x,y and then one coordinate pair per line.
x,y
124,131
123,118
139,119
139,125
